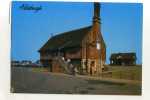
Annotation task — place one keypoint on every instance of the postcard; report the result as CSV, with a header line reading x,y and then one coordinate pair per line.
x,y
76,48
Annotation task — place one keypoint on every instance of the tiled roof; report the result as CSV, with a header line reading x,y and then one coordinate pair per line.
x,y
131,55
67,39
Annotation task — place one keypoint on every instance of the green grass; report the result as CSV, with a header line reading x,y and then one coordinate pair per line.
x,y
39,70
124,72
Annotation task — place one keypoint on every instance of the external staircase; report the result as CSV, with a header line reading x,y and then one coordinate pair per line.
x,y
65,65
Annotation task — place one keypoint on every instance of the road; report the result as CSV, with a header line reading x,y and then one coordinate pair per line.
x,y
23,80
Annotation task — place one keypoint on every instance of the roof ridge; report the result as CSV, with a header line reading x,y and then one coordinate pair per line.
x,y
65,32
59,40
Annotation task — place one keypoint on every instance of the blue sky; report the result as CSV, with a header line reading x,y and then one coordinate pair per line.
x,y
121,26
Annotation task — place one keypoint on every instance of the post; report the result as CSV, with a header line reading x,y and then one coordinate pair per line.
x,y
98,45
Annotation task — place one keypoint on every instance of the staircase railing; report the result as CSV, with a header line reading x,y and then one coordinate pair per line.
x,y
64,64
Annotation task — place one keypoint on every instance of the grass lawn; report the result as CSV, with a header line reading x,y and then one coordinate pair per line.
x,y
40,69
124,72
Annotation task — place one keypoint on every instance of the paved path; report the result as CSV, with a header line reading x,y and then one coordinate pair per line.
x,y
26,81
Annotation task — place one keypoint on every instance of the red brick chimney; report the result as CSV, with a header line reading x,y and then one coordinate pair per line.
x,y
96,20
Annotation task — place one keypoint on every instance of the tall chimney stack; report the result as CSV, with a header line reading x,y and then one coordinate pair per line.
x,y
96,18
96,21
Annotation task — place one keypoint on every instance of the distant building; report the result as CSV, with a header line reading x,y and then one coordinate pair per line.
x,y
15,63
84,47
38,63
26,62
123,59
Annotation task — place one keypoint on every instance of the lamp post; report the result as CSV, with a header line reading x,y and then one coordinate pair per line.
x,y
98,46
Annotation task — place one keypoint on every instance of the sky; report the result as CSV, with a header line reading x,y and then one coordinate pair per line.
x,y
121,26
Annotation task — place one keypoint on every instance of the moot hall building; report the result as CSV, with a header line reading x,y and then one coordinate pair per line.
x,y
84,47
